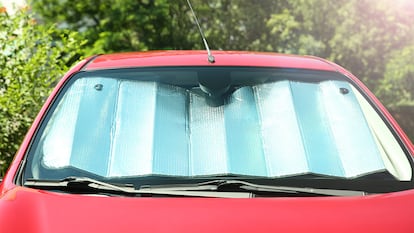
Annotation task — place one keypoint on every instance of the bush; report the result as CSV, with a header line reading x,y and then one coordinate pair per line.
x,y
32,58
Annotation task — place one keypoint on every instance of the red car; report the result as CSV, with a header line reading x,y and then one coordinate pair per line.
x,y
171,141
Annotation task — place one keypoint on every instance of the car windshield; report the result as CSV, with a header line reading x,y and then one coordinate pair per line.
x,y
206,122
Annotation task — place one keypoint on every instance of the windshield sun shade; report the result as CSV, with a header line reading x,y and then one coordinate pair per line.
x,y
117,128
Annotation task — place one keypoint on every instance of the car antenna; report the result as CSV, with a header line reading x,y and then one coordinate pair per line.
x,y
211,58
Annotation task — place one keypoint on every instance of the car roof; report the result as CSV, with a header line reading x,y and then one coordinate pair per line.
x,y
200,58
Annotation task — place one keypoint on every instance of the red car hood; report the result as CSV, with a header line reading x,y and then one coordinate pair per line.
x,y
28,210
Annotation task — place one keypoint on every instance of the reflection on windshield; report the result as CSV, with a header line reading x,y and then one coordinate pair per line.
x,y
112,127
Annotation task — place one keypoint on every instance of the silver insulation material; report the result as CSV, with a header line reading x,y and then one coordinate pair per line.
x,y
116,128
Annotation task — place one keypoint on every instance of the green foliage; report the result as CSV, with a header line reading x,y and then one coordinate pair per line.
x,y
367,35
397,87
111,25
31,61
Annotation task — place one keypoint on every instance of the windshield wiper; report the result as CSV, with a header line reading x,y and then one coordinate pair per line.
x,y
80,185
238,185
214,188
87,185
